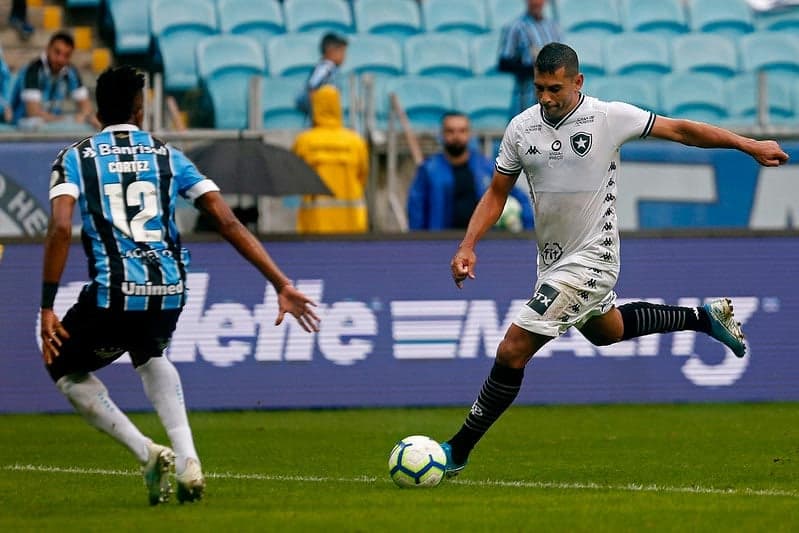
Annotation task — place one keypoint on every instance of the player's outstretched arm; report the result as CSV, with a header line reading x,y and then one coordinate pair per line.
x,y
290,300
485,215
767,153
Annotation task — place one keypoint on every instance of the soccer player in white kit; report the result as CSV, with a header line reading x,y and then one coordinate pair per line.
x,y
568,147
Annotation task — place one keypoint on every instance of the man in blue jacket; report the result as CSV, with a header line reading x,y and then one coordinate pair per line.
x,y
448,185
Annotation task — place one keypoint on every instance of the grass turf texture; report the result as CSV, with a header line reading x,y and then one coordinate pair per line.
x,y
574,468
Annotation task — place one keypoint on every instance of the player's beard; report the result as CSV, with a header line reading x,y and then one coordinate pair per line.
x,y
455,149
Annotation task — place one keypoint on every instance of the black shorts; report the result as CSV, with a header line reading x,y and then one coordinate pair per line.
x,y
98,337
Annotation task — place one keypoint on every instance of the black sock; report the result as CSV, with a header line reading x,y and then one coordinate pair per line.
x,y
498,392
641,318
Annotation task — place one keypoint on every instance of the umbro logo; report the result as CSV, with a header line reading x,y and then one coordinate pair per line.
x,y
533,150
88,153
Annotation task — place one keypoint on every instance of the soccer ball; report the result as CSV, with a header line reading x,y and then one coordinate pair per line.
x,y
511,217
417,461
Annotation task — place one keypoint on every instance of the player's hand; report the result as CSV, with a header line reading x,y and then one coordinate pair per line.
x,y
292,301
462,265
769,154
53,335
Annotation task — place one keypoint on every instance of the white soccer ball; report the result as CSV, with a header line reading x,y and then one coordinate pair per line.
x,y
511,217
417,461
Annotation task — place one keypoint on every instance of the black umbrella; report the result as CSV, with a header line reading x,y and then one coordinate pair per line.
x,y
248,166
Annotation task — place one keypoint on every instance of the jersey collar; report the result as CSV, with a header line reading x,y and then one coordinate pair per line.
x,y
565,118
120,127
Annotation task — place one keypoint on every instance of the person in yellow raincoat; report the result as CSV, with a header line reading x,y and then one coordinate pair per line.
x,y
340,157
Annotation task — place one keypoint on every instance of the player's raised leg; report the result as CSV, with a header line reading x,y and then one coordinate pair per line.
x,y
163,388
497,394
90,398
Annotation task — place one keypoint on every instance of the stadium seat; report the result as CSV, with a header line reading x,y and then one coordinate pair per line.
x,y
83,3
743,97
635,91
728,17
664,17
131,25
178,25
322,15
719,55
374,54
439,55
398,18
595,16
641,54
277,102
485,100
458,16
485,50
695,96
424,99
258,19
589,49
226,64
292,54
502,12
785,19
776,53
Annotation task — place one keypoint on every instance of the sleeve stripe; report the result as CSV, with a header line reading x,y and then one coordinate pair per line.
x,y
506,171
68,189
202,187
649,124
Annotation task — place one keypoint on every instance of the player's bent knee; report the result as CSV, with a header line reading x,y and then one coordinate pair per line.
x,y
602,339
512,354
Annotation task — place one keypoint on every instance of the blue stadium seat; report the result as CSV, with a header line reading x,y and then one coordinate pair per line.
x,y
502,12
440,55
277,102
776,53
424,99
728,17
695,96
375,54
743,99
705,52
458,16
664,17
83,3
292,54
485,100
786,19
485,53
226,63
641,54
398,18
632,90
258,19
131,25
322,15
589,48
596,16
178,25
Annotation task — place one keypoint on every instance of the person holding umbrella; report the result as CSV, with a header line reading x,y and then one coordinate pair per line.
x,y
125,183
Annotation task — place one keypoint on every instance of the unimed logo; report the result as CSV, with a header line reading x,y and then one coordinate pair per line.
x,y
229,333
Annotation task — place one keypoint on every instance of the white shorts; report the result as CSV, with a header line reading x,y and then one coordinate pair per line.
x,y
567,296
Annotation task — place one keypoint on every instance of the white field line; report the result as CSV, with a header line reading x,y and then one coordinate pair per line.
x,y
631,487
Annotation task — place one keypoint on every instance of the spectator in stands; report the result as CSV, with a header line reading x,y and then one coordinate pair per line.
x,y
333,48
448,185
341,159
5,82
521,40
18,19
45,83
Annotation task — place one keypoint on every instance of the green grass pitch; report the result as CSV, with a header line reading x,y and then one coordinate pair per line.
x,y
569,468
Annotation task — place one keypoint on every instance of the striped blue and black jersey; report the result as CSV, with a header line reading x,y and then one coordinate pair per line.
x,y
36,83
126,184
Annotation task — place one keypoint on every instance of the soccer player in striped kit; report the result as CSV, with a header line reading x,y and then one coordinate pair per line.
x,y
125,183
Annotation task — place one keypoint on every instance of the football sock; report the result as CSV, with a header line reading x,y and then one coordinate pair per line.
x,y
642,318
90,398
498,392
163,388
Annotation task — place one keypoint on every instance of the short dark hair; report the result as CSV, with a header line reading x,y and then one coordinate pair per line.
x,y
330,40
62,36
117,89
453,113
556,55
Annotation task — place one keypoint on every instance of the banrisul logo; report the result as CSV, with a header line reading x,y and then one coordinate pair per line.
x,y
224,333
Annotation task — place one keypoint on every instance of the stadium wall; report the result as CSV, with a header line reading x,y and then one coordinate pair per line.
x,y
396,331
664,185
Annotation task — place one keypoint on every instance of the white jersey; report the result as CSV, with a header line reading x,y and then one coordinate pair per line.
x,y
572,169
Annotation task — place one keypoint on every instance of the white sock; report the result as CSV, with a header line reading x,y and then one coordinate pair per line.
x,y
90,398
162,386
